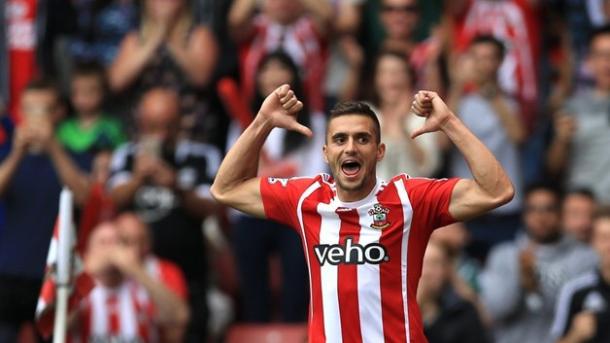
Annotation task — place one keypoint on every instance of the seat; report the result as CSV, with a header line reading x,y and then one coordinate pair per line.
x,y
267,333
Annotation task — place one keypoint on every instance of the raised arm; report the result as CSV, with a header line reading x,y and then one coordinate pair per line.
x,y
490,186
236,184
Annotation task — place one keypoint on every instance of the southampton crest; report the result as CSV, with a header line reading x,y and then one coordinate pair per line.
x,y
380,217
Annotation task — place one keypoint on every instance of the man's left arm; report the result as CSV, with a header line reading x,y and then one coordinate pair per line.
x,y
490,187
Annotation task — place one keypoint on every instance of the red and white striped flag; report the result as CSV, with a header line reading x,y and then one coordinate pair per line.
x,y
81,283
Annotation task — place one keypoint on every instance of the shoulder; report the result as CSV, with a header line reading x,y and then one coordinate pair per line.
x,y
195,150
578,286
170,275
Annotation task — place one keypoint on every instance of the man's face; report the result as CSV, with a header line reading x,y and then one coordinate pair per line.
x,y
486,60
159,116
601,239
399,18
132,234
40,106
577,216
102,242
352,151
599,61
541,215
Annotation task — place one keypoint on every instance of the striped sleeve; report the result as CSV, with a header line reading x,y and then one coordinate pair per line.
x,y
280,198
566,306
430,199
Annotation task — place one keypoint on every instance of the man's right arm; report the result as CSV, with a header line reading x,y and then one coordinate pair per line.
x,y
236,184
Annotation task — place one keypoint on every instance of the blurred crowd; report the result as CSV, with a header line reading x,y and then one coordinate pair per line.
x,y
132,104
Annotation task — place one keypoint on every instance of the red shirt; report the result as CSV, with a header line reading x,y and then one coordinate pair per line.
x,y
515,23
300,40
364,258
126,313
21,25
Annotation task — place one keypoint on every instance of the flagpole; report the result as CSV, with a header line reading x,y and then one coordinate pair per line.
x,y
64,256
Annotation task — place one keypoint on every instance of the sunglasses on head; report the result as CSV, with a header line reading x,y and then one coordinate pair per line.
x,y
404,9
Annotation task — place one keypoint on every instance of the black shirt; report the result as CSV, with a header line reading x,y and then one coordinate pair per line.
x,y
457,322
589,292
177,235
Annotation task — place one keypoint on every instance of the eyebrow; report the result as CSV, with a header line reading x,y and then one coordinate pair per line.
x,y
356,134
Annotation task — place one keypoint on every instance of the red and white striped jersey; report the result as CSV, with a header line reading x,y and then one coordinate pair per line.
x,y
126,313
364,257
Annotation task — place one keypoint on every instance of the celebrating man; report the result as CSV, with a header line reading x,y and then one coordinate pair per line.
x,y
364,238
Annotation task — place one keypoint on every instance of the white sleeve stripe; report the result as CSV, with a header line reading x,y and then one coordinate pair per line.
x,y
562,309
119,157
118,179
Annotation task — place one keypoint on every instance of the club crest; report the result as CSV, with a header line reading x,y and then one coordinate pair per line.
x,y
380,217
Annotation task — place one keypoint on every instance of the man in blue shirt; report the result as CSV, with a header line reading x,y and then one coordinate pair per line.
x,y
31,176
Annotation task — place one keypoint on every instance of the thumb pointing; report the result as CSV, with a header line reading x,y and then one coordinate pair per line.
x,y
419,132
302,129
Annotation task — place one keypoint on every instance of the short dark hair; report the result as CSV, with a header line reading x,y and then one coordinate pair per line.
x,y
489,39
602,212
546,187
584,192
90,69
600,31
344,108
44,84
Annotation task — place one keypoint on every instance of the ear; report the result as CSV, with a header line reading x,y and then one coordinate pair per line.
x,y
380,151
324,153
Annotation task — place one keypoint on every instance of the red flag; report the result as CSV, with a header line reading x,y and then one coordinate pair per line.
x,y
80,281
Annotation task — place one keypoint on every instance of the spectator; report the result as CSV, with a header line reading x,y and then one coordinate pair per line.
x,y
169,50
102,24
514,22
91,130
493,117
287,154
297,27
522,278
165,181
583,308
346,56
577,212
31,177
400,19
455,237
394,81
132,285
447,317
582,134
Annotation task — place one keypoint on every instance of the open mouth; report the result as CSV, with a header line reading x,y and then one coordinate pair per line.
x,y
350,167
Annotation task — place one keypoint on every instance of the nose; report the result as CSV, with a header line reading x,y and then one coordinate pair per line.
x,y
350,146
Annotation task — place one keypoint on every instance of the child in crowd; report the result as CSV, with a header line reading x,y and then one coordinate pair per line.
x,y
90,129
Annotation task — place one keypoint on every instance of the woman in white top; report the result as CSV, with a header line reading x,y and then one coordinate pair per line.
x,y
393,92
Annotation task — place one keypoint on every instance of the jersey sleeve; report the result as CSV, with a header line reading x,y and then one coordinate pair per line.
x,y
430,199
565,310
172,278
280,198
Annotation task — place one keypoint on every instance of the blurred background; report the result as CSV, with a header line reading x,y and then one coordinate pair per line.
x,y
132,104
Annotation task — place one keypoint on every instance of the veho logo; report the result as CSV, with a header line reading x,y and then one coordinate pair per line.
x,y
351,253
